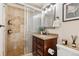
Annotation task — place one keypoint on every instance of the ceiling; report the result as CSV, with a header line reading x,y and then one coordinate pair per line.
x,y
41,7
38,5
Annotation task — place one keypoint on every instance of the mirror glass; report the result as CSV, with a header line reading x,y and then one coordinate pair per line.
x,y
49,17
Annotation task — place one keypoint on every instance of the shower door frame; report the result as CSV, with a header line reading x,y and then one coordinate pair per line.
x,y
25,24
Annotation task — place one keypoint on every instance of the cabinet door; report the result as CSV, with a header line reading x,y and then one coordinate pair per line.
x,y
50,43
15,30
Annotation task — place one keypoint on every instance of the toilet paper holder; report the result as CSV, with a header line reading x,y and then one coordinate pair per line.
x,y
51,51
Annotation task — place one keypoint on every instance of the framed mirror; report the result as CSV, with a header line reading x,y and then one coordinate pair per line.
x,y
49,17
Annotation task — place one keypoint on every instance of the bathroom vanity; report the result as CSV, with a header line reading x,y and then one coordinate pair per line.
x,y
41,44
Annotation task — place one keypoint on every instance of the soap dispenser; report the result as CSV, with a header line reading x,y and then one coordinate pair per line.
x,y
74,37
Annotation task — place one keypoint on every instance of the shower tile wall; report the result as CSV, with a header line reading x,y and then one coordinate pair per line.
x,y
15,31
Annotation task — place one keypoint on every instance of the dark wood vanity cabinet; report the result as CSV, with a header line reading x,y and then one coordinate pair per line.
x,y
40,47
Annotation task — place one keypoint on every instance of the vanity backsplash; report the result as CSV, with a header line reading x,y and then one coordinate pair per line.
x,y
69,40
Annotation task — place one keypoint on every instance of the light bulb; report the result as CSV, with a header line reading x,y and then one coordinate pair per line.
x,y
51,6
49,9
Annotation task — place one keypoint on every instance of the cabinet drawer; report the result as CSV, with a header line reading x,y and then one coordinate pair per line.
x,y
34,46
40,47
40,42
34,39
39,52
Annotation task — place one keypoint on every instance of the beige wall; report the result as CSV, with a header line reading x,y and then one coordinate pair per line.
x,y
67,28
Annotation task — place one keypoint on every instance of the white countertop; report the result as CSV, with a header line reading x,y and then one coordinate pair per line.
x,y
69,48
45,37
